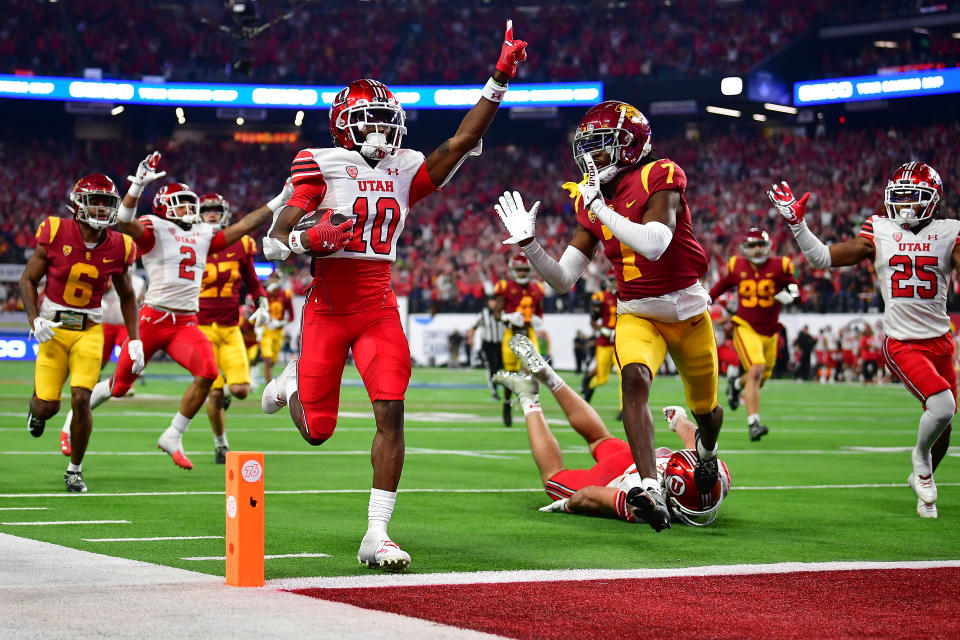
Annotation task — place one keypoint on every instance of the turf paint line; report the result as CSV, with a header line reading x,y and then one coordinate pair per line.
x,y
157,539
53,523
557,575
134,494
274,557
24,508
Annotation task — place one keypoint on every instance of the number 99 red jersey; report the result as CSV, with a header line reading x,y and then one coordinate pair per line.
x,y
756,287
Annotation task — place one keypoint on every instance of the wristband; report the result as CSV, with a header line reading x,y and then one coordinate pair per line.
x,y
125,213
293,241
494,91
135,190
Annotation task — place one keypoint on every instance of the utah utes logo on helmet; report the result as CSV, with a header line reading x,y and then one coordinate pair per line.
x,y
686,504
177,203
366,117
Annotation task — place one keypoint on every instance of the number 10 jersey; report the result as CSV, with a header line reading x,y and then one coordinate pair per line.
x,y
913,273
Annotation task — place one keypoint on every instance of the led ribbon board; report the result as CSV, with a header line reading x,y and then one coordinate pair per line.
x,y
878,87
198,94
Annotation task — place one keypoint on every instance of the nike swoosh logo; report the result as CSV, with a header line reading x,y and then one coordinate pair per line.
x,y
106,260
696,322
631,203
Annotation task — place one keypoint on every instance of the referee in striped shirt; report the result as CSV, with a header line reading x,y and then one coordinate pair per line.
x,y
491,334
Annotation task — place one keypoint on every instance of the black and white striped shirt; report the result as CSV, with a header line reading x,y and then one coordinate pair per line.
x,y
491,329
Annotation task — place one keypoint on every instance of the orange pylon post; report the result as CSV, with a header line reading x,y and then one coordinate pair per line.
x,y
245,522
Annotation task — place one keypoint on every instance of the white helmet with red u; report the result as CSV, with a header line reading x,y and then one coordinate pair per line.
x,y
94,201
520,269
367,117
685,503
177,203
617,128
913,193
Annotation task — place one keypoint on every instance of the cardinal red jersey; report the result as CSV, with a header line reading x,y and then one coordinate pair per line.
x,y
281,304
77,276
220,290
377,200
680,266
527,298
756,287
604,305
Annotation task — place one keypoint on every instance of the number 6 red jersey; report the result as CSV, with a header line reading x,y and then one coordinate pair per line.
x,y
913,272
357,278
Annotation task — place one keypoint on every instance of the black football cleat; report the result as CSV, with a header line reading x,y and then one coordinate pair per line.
x,y
226,402
585,389
74,480
650,507
507,415
733,394
757,431
220,455
35,425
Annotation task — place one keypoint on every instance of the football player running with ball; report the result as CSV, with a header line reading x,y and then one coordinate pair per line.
x,y
364,187
78,256
632,203
913,251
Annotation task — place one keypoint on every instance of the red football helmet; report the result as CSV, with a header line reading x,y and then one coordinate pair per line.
x,y
214,203
756,245
913,193
684,501
617,128
366,116
520,269
177,203
94,201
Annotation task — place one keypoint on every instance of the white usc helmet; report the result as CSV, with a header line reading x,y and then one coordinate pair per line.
x,y
683,500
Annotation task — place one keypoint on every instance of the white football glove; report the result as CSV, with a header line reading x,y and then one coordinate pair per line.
x,y
273,323
135,351
278,201
274,249
262,314
787,295
146,173
607,332
558,506
515,217
590,188
43,329
516,318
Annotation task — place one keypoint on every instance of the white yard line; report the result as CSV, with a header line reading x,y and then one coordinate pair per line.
x,y
24,508
52,523
274,557
157,539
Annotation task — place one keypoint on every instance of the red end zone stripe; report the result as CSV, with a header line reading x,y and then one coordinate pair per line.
x,y
861,603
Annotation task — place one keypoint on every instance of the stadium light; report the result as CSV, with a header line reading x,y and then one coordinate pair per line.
x,y
240,122
759,117
181,117
885,44
772,106
720,111
956,35
298,120
116,110
731,86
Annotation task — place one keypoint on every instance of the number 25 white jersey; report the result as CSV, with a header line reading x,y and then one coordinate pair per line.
x,y
175,262
913,273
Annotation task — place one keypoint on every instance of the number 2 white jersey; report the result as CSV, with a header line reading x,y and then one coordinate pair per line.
x,y
175,263
913,273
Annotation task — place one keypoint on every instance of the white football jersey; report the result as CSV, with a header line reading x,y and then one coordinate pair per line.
x,y
175,263
111,301
377,198
913,273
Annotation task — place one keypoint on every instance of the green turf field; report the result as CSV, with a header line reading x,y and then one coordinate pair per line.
x,y
470,490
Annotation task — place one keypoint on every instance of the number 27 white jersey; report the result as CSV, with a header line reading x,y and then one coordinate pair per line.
x,y
913,274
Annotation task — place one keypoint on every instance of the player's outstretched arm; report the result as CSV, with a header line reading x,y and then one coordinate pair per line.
x,y
594,501
443,163
247,224
819,255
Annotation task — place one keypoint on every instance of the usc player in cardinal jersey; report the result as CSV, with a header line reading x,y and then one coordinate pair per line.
x,y
78,256
371,179
603,317
219,300
764,284
633,205
520,305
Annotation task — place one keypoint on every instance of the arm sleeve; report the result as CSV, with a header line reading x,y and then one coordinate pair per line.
x,y
817,253
309,187
560,275
249,274
649,239
146,241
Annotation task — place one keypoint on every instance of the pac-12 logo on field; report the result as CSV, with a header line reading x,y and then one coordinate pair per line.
x,y
251,471
676,485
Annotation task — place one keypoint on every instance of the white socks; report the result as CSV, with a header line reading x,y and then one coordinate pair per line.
x,y
73,468
220,441
180,422
753,417
380,510
936,417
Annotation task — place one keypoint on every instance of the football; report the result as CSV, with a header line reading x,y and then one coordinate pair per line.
x,y
312,219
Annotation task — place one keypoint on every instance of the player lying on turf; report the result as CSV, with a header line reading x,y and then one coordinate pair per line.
x,y
611,488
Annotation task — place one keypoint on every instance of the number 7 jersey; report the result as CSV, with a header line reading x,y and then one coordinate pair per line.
x,y
913,273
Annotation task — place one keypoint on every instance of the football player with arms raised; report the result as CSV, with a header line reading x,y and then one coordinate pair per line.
x,y
365,185
632,204
913,250
218,318
78,256
608,488
173,244
520,305
764,283
280,308
603,317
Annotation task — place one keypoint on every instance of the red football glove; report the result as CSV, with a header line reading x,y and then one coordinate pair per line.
x,y
325,237
787,206
512,53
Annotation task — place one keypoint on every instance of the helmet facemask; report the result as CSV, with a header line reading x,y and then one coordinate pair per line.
x,y
219,207
756,251
910,203
96,209
182,207
376,128
520,274
606,139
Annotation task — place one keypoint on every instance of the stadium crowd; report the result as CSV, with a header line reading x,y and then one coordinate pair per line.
x,y
451,254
